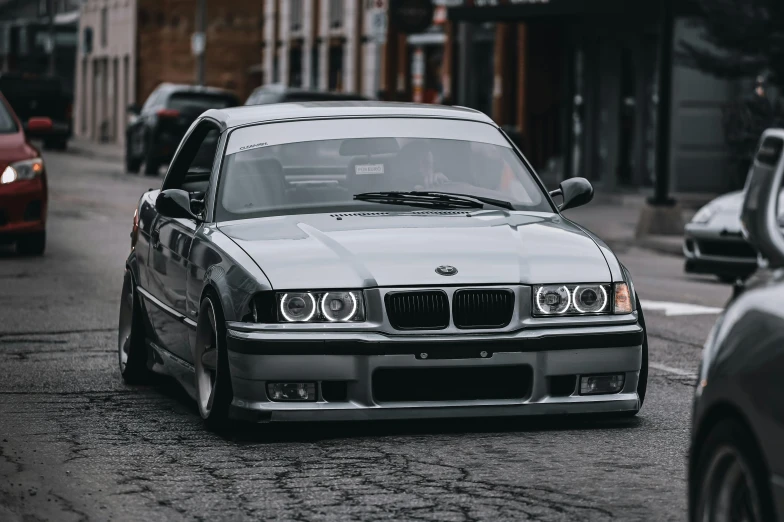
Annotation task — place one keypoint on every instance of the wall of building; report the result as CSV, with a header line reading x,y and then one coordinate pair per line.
x,y
358,52
233,44
699,159
105,73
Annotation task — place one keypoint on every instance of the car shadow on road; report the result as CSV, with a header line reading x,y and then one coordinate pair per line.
x,y
271,433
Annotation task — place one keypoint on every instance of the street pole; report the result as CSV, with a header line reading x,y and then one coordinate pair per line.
x,y
662,215
664,109
52,62
201,26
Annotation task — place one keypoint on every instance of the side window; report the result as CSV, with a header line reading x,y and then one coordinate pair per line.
x,y
190,170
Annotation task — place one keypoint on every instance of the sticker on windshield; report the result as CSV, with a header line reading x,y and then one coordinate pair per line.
x,y
362,170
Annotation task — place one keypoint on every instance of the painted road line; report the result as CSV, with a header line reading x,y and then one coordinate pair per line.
x,y
673,309
674,371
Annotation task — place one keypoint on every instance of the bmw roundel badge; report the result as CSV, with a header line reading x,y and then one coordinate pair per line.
x,y
446,270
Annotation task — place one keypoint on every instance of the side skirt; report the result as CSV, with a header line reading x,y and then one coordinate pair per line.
x,y
169,364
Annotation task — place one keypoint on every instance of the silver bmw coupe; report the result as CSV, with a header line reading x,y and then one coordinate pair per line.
x,y
364,260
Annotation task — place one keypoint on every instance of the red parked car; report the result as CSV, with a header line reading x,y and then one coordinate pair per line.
x,y
23,191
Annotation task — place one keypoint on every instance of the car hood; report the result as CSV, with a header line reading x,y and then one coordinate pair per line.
x,y
13,147
728,217
399,249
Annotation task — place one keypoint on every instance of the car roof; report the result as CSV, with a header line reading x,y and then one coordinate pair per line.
x,y
252,114
171,88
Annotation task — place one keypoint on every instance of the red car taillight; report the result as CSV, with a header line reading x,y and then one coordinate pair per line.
x,y
168,113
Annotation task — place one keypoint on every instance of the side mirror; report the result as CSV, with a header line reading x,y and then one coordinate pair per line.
x,y
175,203
39,125
134,109
759,216
575,192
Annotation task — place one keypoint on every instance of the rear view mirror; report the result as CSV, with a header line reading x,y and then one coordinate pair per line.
x,y
575,192
174,203
39,125
759,216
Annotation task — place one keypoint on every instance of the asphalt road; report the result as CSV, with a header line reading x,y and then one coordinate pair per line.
x,y
78,444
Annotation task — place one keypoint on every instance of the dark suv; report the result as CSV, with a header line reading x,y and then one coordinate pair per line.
x,y
280,94
34,96
155,130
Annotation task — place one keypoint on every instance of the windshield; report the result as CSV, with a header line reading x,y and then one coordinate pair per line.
x,y
200,102
7,122
290,168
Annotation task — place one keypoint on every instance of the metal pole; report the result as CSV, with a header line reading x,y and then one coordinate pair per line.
x,y
664,109
201,27
52,62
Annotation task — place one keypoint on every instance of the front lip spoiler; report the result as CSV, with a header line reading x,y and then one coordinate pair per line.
x,y
368,343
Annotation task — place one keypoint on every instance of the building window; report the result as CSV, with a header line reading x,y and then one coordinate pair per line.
x,y
296,15
104,27
335,14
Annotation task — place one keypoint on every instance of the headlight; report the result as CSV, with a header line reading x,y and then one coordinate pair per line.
x,y
582,299
27,169
335,306
706,213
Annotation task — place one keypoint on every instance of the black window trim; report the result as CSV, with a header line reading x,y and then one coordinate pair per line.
x,y
202,123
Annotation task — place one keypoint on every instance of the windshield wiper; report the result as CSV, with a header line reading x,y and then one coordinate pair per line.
x,y
431,199
490,201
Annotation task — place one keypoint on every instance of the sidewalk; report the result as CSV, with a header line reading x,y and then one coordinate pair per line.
x,y
614,218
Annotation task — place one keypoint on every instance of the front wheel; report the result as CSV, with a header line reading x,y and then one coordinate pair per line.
x,y
211,362
131,347
731,482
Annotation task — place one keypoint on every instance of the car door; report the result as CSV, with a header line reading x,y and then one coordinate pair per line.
x,y
171,239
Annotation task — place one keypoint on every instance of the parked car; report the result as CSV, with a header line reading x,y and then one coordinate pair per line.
x,y
23,188
281,94
428,274
156,128
33,96
736,461
713,242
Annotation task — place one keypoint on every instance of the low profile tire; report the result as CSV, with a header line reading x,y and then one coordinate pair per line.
x,y
211,363
31,244
151,162
642,382
731,482
131,347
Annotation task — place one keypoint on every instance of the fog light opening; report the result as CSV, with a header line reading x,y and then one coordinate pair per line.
x,y
601,384
291,391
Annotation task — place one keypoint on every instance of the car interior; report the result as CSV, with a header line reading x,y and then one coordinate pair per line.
x,y
276,176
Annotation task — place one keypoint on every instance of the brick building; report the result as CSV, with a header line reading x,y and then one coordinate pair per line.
x,y
128,47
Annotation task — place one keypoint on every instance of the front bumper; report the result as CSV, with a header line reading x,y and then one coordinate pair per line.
x,y
717,252
23,206
355,358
